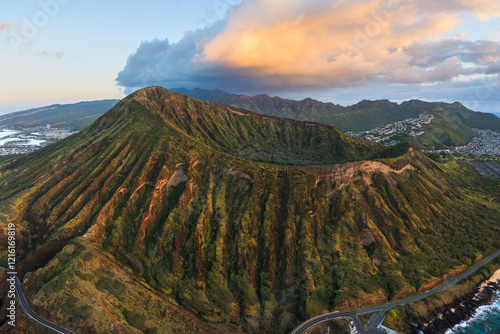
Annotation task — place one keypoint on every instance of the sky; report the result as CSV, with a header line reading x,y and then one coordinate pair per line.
x,y
63,51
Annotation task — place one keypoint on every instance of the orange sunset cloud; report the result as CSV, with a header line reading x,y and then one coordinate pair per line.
x,y
279,44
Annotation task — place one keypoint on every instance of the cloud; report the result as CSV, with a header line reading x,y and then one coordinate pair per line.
x,y
6,25
58,55
159,61
280,45
494,68
435,52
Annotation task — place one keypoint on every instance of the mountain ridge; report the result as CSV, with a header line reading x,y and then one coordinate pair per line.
x,y
453,124
244,136
75,116
452,127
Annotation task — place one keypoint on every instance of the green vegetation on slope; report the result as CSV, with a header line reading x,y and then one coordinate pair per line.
x,y
256,137
158,184
451,127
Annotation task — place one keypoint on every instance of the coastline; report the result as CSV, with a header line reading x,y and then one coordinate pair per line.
x,y
464,307
493,279
482,319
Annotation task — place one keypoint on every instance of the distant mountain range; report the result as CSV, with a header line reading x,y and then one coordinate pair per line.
x,y
452,125
173,214
76,116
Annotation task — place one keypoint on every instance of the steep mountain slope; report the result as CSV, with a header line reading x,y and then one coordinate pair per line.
x,y
75,116
155,205
452,126
252,136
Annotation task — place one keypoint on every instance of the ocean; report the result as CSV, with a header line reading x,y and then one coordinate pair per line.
x,y
486,320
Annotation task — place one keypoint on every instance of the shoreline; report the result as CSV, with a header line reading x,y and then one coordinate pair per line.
x,y
465,306
493,279
479,315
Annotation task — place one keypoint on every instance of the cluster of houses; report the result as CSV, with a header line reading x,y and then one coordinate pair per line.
x,y
384,134
486,143
27,140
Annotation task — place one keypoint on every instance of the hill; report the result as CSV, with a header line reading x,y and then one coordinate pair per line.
x,y
161,215
75,116
452,125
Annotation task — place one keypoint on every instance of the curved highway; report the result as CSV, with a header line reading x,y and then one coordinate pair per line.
x,y
23,304
386,307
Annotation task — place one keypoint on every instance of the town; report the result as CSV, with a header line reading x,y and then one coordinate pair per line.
x,y
487,143
26,140
390,134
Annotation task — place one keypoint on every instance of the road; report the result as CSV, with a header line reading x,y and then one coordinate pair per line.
x,y
386,307
23,304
